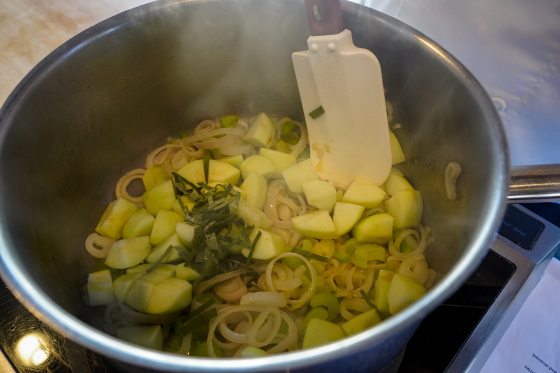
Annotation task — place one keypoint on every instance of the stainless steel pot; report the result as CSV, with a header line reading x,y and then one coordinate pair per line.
x,y
93,108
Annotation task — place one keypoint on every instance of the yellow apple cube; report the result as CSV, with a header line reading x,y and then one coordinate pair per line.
x,y
376,228
139,224
154,176
406,208
346,215
397,153
164,226
268,245
115,217
361,322
279,159
364,192
128,252
316,224
259,164
222,173
299,173
402,292
320,332
160,197
193,171
397,183
261,131
100,288
320,194
253,216
150,336
255,187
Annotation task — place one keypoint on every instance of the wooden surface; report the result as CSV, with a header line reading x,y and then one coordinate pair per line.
x,y
31,29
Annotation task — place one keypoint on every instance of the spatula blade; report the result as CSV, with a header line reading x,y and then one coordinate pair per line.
x,y
351,137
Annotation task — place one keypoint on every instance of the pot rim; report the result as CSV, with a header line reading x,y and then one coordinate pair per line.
x,y
29,294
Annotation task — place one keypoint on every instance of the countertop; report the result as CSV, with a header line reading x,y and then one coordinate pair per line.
x,y
511,46
31,29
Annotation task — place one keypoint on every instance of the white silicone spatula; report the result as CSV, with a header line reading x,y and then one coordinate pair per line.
x,y
343,100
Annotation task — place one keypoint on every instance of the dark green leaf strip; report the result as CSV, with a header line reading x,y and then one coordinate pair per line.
x,y
311,255
317,112
206,163
366,298
253,245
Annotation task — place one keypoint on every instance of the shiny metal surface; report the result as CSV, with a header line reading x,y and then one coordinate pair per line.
x,y
535,183
92,109
513,48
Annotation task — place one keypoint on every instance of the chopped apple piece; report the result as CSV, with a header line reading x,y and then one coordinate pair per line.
x,y
150,336
397,153
268,245
185,232
139,224
376,228
169,295
100,288
364,192
115,217
128,252
159,273
316,224
253,216
234,160
123,284
346,215
402,292
261,131
382,284
193,171
222,172
259,164
320,332
396,183
160,250
320,194
139,293
255,187
279,159
164,226
361,322
296,175
186,273
139,268
161,197
406,207
154,176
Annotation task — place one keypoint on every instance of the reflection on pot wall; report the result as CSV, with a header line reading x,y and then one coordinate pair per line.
x,y
513,48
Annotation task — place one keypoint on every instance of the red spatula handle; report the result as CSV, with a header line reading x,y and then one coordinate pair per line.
x,y
324,16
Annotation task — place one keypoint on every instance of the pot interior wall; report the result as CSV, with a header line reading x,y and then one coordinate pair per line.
x,y
94,109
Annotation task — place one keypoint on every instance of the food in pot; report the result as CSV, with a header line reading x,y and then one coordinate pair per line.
x,y
235,247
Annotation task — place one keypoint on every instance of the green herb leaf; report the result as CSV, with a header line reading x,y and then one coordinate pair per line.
x,y
317,112
311,255
366,298
182,184
253,245
186,324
